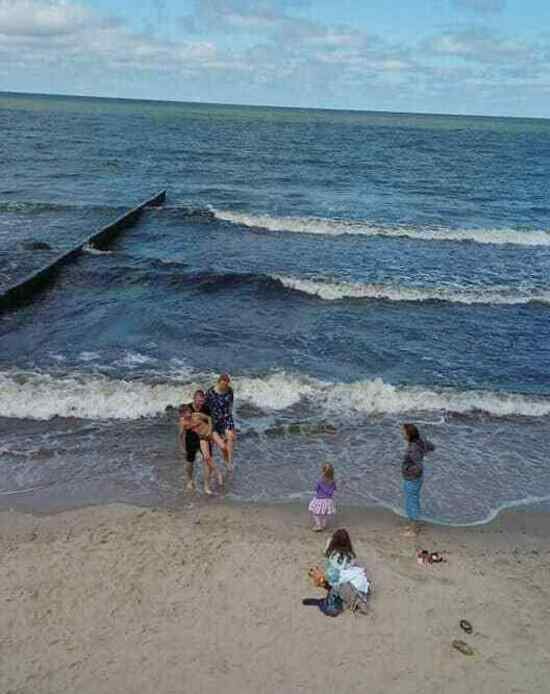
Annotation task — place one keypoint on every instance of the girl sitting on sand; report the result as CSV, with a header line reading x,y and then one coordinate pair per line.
x,y
347,584
322,506
412,471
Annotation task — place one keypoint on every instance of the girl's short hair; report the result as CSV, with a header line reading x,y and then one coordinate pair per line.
x,y
328,472
411,432
183,409
340,543
199,391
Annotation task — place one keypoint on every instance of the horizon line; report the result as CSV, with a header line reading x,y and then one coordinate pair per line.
x,y
272,106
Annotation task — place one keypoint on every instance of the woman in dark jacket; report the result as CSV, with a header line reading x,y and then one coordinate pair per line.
x,y
413,472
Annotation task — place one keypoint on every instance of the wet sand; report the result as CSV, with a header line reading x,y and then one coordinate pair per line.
x,y
119,598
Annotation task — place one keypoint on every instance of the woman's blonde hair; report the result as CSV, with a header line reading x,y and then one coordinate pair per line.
x,y
328,472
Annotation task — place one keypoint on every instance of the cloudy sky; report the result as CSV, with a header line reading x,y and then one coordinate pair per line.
x,y
443,56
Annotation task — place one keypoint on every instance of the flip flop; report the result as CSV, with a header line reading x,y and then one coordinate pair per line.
x,y
466,626
463,647
422,557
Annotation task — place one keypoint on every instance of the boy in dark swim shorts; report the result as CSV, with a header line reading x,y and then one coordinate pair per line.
x,y
196,434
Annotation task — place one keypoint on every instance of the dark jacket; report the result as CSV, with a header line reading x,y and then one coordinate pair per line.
x,y
412,467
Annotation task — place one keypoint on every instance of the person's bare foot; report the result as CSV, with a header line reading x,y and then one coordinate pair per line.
x,y
207,490
190,486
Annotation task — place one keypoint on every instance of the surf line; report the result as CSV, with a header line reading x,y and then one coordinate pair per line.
x,y
22,292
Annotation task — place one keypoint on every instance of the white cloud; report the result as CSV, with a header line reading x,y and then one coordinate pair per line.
x,y
479,44
42,18
37,32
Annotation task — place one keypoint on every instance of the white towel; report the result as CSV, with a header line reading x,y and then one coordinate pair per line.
x,y
357,576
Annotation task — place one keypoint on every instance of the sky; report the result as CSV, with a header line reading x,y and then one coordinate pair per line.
x,y
486,57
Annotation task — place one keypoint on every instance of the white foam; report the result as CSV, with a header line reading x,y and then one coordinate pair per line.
x,y
335,227
334,291
33,395
132,360
88,356
95,251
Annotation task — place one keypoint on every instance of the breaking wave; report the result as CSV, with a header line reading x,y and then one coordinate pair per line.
x,y
335,227
336,291
35,395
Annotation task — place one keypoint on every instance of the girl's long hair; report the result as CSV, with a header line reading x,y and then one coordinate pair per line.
x,y
411,432
340,543
328,472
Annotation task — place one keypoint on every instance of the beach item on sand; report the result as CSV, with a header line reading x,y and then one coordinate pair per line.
x,y
318,577
331,606
463,647
466,626
424,558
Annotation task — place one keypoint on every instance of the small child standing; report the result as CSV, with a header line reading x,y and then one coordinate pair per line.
x,y
322,505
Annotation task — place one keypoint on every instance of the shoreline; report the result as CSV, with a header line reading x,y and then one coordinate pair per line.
x,y
149,501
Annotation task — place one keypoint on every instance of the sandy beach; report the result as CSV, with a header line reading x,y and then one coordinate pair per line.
x,y
208,599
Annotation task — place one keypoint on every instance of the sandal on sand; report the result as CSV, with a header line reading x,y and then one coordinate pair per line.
x,y
463,647
423,557
466,626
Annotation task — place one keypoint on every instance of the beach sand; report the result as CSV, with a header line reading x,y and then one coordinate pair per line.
x,y
208,599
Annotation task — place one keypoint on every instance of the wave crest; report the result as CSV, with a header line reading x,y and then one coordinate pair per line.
x,y
336,291
334,227
34,395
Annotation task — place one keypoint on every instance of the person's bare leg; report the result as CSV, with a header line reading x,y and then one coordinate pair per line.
x,y
220,443
209,463
189,472
230,439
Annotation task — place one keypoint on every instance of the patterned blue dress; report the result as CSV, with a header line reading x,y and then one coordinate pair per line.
x,y
221,406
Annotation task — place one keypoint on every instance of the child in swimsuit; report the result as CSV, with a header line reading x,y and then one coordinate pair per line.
x,y
201,424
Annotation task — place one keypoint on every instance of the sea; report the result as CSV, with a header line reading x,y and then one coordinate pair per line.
x,y
351,270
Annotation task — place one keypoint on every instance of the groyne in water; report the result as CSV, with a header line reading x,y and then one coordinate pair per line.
x,y
24,291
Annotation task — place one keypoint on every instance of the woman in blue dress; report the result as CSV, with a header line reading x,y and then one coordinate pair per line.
x,y
220,401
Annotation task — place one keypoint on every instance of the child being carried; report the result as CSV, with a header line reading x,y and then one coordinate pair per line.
x,y
201,424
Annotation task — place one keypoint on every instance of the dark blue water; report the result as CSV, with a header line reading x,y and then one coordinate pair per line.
x,y
350,270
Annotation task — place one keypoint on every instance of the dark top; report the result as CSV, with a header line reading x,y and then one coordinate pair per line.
x,y
221,405
411,467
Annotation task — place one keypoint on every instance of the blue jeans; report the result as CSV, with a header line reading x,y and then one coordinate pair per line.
x,y
412,498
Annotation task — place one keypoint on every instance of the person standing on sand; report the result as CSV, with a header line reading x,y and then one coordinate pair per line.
x,y
220,401
412,471
322,505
